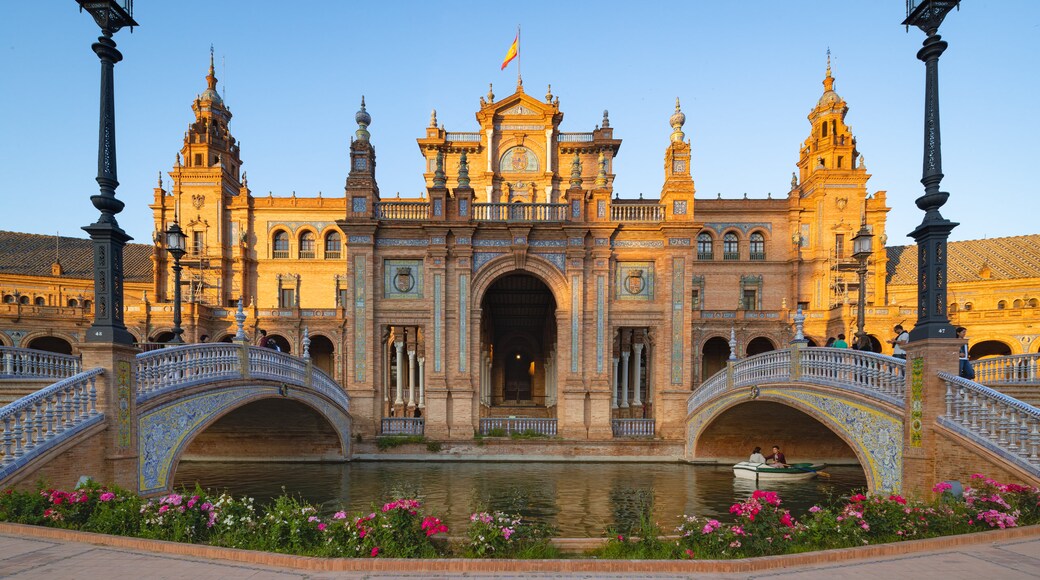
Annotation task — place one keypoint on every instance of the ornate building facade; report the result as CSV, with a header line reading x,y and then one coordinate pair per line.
x,y
519,283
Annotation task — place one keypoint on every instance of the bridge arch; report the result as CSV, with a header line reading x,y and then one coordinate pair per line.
x,y
872,432
992,347
60,344
532,265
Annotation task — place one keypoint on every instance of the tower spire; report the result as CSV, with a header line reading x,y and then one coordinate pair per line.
x,y
211,78
828,80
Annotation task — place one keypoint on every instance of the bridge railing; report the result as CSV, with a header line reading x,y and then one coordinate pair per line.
x,y
1009,426
27,363
36,422
1002,370
632,427
402,426
873,374
172,368
512,425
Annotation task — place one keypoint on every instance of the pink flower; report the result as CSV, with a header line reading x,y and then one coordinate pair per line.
x,y
506,532
865,526
734,544
107,496
620,538
857,498
312,519
163,509
786,520
321,527
339,515
814,509
897,498
689,553
375,551
941,487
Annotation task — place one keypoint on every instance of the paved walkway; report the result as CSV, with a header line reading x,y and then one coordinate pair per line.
x,y
23,557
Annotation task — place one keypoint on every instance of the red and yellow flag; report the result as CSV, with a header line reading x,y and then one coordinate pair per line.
x,y
514,50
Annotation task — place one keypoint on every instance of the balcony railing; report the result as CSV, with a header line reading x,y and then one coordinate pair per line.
x,y
402,210
758,255
520,212
575,137
705,256
24,363
280,254
402,426
462,137
730,255
332,254
510,425
636,212
633,427
307,254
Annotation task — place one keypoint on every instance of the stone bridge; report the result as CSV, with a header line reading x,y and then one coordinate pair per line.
x,y
133,425
839,404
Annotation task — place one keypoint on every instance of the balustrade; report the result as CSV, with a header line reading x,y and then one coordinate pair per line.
x,y
402,210
575,137
981,413
520,212
636,212
32,424
511,425
1019,368
26,363
462,137
632,427
402,426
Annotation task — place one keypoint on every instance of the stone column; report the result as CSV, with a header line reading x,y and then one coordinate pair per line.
x,y
638,348
422,382
624,379
116,398
924,443
411,378
399,399
614,385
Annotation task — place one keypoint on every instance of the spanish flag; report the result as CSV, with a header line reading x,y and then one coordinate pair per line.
x,y
514,50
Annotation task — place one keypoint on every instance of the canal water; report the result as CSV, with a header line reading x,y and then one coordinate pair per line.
x,y
580,499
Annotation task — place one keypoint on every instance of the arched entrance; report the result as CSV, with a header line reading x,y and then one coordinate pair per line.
x,y
714,355
518,341
759,345
51,344
282,342
988,348
322,353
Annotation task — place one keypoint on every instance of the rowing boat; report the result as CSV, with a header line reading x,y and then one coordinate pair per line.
x,y
762,471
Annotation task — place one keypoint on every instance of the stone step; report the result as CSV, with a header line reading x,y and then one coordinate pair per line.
x,y
1026,393
519,411
14,389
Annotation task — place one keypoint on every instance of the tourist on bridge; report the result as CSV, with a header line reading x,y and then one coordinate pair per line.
x,y
756,456
840,343
777,459
261,338
830,342
902,337
966,371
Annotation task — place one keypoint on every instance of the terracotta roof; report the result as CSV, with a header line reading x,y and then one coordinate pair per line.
x,y
33,255
1007,258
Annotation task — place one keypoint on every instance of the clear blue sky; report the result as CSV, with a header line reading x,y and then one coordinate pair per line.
x,y
748,73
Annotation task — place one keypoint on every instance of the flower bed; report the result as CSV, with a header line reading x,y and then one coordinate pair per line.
x,y
759,526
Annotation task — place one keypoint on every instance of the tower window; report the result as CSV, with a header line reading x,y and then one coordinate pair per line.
x,y
198,159
823,129
840,159
839,246
198,245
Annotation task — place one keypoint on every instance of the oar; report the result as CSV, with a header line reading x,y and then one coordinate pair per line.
x,y
808,469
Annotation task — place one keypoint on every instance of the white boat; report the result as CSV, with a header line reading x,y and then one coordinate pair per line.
x,y
762,471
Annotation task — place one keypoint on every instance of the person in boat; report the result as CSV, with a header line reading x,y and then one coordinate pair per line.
x,y
756,456
777,459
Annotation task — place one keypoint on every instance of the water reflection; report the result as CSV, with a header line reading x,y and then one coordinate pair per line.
x,y
581,499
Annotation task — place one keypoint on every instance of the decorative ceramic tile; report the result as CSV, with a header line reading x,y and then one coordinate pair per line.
x,y
360,347
481,258
575,311
678,241
463,321
548,243
126,408
745,227
679,207
438,322
602,241
359,239
463,207
635,280
295,226
437,240
403,279
678,305
558,260
600,320
519,240
438,207
601,208
491,243
381,242
462,240
576,242
359,205
639,244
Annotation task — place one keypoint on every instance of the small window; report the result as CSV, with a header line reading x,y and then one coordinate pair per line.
x,y
749,299
953,307
198,243
1002,305
198,159
695,299
823,129
72,303
86,305
730,247
1032,303
840,159
967,306
286,298
23,299
839,246
705,250
281,244
758,246
1018,304
342,298
333,245
307,245
40,301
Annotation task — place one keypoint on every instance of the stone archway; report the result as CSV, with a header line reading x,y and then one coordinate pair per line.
x,y
714,355
323,353
988,348
759,345
51,344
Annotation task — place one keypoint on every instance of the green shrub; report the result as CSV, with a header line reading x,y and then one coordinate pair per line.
x,y
390,441
498,535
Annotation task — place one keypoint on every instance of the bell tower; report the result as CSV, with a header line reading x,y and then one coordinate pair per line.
x,y
677,193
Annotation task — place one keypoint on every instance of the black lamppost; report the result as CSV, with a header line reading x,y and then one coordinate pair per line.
x,y
175,242
931,235
862,247
109,239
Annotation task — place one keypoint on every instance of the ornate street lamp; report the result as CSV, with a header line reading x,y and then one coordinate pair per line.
x,y
862,248
175,243
109,239
931,235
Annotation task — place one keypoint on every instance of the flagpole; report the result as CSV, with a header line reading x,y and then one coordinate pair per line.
x,y
518,79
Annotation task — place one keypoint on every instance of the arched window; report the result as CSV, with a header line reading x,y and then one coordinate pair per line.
x,y
73,303
823,129
953,307
40,301
730,249
967,306
86,305
758,246
307,245
281,244
333,246
23,299
1002,305
9,299
705,247
1032,303
1018,304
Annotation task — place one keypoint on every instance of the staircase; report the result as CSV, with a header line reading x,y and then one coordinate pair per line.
x,y
13,389
1029,394
520,409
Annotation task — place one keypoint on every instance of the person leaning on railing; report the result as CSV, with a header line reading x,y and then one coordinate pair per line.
x,y
902,337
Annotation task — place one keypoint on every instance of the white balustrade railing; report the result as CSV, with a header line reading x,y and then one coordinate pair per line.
x,y
35,423
402,210
402,426
510,425
876,375
27,363
520,212
462,137
575,137
173,368
636,212
632,427
1014,369
1009,426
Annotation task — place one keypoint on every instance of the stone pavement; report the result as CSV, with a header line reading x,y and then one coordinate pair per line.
x,y
30,557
